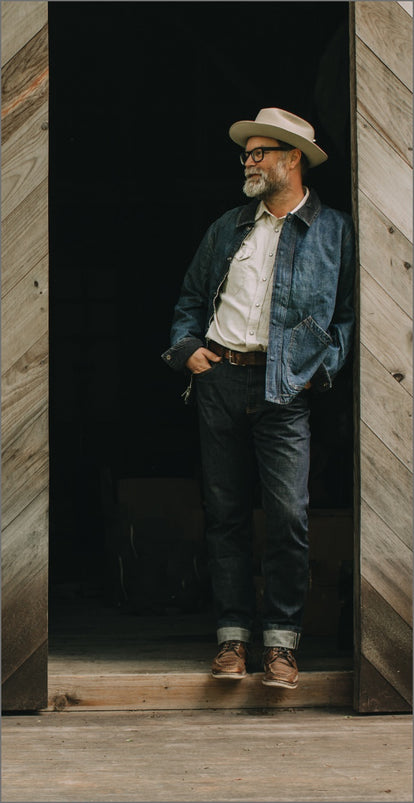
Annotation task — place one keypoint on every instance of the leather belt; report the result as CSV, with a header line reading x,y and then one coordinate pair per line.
x,y
237,357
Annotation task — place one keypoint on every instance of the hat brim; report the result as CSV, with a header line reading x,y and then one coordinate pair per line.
x,y
241,131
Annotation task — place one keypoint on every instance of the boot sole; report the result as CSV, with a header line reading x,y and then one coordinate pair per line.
x,y
282,684
228,676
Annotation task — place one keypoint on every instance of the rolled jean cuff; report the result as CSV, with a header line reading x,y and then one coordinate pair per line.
x,y
281,638
233,634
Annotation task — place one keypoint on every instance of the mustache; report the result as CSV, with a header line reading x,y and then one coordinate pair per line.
x,y
251,171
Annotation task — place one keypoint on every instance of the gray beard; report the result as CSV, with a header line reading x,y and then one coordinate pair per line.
x,y
265,185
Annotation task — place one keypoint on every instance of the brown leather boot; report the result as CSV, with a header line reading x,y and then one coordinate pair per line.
x,y
230,661
280,668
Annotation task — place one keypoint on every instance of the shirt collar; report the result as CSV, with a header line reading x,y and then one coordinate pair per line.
x,y
263,210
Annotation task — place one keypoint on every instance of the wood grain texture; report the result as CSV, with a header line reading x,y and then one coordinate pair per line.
x,y
20,22
24,160
386,30
25,81
24,390
384,177
193,690
386,563
384,102
386,254
386,331
24,337
391,654
386,486
264,755
389,411
24,567
25,468
375,694
25,237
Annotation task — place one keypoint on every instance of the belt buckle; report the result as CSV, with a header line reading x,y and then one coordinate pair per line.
x,y
231,361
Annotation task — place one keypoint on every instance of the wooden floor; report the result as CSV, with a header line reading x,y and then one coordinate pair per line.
x,y
260,755
103,658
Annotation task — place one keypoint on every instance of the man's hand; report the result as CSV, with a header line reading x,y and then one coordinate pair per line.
x,y
201,360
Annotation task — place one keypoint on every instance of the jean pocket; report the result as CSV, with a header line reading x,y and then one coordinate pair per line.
x,y
307,347
208,371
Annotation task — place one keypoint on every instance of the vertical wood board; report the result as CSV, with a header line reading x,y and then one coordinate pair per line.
x,y
24,339
381,49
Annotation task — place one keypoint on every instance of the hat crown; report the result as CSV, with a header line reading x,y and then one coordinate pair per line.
x,y
286,120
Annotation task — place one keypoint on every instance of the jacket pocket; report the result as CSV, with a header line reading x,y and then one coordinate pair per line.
x,y
307,347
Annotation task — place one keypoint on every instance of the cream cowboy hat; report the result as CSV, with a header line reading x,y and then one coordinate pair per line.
x,y
281,125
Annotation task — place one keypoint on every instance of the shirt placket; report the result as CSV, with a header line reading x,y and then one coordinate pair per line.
x,y
264,281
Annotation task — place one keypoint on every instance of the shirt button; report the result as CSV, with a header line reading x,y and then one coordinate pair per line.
x,y
264,279
271,254
251,332
257,305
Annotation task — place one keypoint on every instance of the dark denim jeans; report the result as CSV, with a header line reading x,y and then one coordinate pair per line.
x,y
238,426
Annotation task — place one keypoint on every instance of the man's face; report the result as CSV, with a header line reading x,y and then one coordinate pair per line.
x,y
269,176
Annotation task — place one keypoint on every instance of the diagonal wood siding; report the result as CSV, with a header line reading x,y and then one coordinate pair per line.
x,y
382,60
24,353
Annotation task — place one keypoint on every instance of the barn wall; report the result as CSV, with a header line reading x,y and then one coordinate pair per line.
x,y
382,39
24,352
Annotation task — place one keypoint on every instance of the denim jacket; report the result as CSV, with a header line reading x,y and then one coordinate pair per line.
x,y
311,316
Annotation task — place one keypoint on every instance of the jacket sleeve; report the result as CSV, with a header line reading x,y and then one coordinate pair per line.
x,y
190,313
341,328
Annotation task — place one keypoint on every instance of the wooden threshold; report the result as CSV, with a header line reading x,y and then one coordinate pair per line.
x,y
193,690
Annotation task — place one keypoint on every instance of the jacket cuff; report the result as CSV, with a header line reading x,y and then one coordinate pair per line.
x,y
177,356
321,380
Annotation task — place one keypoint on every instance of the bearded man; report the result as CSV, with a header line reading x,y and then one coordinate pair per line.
x,y
265,317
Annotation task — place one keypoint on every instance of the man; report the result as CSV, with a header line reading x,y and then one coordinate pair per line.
x,y
265,313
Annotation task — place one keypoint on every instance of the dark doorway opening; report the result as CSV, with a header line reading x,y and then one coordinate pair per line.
x,y
141,98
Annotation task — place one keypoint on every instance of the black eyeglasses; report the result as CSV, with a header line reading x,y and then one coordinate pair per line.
x,y
257,154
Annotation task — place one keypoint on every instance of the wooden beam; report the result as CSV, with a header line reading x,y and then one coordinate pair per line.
x,y
193,690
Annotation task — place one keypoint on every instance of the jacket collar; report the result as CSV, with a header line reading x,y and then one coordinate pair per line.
x,y
307,213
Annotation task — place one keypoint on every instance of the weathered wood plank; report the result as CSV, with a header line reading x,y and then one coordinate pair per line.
x,y
386,330
386,407
193,690
19,692
24,237
20,21
386,640
266,755
386,254
386,563
395,175
386,485
24,161
24,84
24,390
24,584
384,101
375,694
25,470
387,31
24,314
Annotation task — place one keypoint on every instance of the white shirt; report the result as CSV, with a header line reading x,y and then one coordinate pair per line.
x,y
241,320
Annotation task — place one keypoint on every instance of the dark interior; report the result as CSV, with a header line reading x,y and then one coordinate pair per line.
x,y
141,98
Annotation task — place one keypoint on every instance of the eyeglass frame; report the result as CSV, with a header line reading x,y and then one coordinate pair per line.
x,y
244,155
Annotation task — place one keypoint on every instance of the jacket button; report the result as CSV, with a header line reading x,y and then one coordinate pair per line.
x,y
168,357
